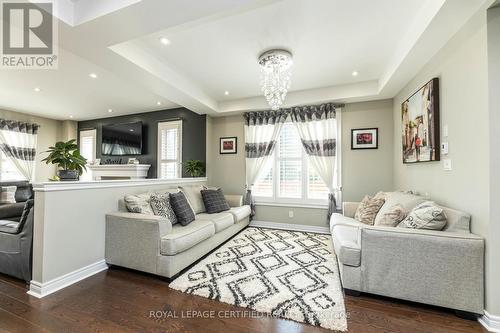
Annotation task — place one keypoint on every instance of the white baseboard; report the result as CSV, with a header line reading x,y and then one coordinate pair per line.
x,y
40,290
289,226
490,322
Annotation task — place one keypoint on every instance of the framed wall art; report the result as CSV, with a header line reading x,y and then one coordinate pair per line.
x,y
364,138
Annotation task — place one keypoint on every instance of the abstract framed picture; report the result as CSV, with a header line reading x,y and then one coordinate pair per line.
x,y
228,145
420,124
364,138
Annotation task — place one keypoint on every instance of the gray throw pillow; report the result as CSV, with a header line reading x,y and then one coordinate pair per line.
x,y
160,202
214,201
182,209
8,194
426,215
139,204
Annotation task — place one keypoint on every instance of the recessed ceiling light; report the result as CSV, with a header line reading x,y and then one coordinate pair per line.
x,y
355,73
226,92
110,110
131,130
71,117
165,41
37,89
93,75
158,103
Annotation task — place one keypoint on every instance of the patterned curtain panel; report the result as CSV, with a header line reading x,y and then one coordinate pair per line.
x,y
261,132
317,127
18,142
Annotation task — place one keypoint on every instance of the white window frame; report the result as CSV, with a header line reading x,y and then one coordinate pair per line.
x,y
303,201
86,133
169,124
20,176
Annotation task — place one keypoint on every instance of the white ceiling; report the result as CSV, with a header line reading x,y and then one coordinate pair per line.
x,y
214,47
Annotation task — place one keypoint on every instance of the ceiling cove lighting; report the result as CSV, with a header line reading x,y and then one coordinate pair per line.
x,y
275,68
93,75
165,41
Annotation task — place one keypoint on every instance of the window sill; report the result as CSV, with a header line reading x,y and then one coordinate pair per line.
x,y
294,204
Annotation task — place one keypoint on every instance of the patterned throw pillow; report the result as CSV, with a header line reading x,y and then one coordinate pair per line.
x,y
368,209
194,198
182,209
391,217
426,215
139,204
160,202
214,201
8,194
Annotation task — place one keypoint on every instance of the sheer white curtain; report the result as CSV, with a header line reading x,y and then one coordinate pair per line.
x,y
317,128
18,142
261,132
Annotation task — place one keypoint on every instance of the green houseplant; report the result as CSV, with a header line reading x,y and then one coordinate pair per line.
x,y
68,158
195,168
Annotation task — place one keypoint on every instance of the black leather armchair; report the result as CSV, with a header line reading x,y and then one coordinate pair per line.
x,y
16,244
14,211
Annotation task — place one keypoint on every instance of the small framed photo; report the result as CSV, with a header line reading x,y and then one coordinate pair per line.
x,y
228,145
364,138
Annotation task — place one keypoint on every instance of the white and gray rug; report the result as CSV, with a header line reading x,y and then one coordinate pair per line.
x,y
286,274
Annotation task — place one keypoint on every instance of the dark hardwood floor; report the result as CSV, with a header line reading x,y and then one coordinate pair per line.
x,y
120,300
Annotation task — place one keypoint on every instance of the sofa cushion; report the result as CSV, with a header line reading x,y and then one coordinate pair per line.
x,y
9,227
457,221
193,195
346,239
426,215
184,237
214,200
182,208
9,211
368,209
221,220
240,213
407,200
8,194
392,217
139,203
160,203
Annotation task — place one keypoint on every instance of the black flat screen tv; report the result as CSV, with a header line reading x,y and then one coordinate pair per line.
x,y
122,139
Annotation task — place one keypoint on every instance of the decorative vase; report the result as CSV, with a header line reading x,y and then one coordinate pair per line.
x,y
68,175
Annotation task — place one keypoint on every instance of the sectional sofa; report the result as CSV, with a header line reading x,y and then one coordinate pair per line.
x,y
443,268
150,243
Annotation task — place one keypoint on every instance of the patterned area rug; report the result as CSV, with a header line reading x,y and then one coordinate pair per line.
x,y
286,274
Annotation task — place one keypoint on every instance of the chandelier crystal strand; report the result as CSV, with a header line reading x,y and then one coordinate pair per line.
x,y
276,74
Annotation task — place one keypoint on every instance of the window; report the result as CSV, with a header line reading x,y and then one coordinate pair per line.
x,y
169,149
88,150
8,171
290,177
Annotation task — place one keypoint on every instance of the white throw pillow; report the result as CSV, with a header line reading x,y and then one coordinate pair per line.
x,y
392,217
407,200
8,194
426,215
139,203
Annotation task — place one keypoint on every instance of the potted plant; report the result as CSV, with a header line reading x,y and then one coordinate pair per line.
x,y
68,158
195,168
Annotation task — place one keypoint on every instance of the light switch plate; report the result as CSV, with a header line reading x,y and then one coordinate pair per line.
x,y
447,164
444,148
290,214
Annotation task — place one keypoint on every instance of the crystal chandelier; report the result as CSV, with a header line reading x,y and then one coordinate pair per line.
x,y
276,71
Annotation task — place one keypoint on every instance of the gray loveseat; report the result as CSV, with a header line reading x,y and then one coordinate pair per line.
x,y
443,268
150,243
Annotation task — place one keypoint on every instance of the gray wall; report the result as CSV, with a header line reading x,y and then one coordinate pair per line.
x,y
193,135
364,171
462,66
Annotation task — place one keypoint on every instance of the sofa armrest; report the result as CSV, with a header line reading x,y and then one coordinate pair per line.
x,y
424,266
133,240
349,208
234,200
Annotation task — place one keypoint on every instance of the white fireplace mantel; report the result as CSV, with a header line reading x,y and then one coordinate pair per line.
x,y
119,171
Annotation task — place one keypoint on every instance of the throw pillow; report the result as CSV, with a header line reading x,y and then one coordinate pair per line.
x,y
368,209
214,201
391,217
408,201
182,209
194,198
8,194
139,203
160,202
426,215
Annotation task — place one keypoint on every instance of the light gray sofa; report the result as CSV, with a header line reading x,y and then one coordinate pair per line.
x,y
443,268
150,243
